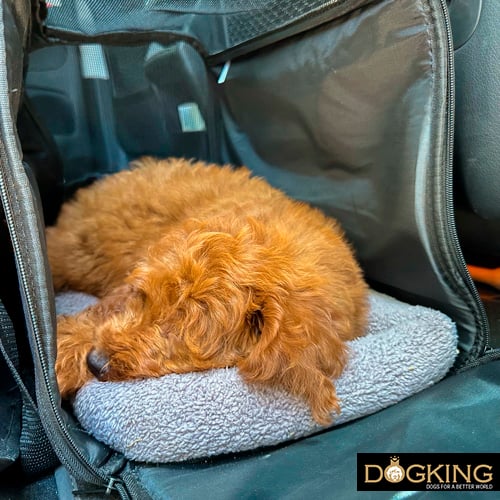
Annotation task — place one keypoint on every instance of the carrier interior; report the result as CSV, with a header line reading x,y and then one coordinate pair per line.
x,y
298,112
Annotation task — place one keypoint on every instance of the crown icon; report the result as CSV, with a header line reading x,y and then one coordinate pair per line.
x,y
394,460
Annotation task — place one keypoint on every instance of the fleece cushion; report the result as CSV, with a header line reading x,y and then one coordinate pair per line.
x,y
195,415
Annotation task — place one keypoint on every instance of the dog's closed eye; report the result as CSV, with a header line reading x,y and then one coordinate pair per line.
x,y
119,300
255,320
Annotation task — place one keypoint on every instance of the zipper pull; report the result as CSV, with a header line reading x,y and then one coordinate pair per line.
x,y
224,72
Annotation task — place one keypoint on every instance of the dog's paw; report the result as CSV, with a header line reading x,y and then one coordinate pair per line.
x,y
324,403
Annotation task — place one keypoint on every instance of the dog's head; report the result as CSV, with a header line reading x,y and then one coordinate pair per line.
x,y
212,300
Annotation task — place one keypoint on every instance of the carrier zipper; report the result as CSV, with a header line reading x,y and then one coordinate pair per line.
x,y
483,325
489,354
80,467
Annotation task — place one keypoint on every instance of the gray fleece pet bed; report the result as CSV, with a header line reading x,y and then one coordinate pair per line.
x,y
195,415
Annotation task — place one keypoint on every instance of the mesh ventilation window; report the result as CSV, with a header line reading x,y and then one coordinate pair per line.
x,y
217,25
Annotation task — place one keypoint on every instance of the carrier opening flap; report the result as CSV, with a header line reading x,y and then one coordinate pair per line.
x,y
214,27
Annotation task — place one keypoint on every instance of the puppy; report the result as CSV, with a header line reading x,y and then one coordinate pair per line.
x,y
200,266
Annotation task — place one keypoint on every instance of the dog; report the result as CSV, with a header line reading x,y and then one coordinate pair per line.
x,y
199,266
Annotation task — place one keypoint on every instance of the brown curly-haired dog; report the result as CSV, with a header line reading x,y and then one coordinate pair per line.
x,y
200,266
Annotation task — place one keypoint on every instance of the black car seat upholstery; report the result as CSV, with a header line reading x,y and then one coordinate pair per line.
x,y
477,130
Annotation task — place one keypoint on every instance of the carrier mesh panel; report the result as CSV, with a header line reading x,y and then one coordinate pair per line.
x,y
36,452
217,25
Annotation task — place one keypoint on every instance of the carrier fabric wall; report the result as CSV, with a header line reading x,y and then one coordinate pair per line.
x,y
356,117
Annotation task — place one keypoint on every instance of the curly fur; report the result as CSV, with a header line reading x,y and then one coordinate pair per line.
x,y
200,266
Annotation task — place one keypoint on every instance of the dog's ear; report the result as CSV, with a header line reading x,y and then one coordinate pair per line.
x,y
300,349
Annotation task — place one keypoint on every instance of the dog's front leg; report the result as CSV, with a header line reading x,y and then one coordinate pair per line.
x,y
75,338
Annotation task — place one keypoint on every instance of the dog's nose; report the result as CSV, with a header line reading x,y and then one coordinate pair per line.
x,y
97,363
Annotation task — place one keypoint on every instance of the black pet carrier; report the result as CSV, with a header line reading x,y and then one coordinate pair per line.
x,y
345,104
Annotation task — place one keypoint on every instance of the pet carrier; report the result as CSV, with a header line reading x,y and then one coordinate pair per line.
x,y
347,105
